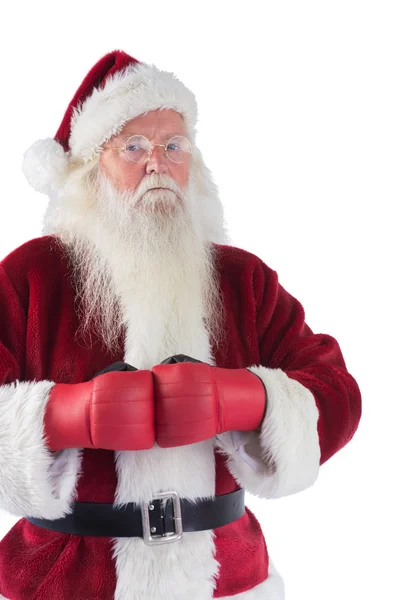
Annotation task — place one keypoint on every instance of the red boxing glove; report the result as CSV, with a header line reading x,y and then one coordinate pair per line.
x,y
195,402
113,411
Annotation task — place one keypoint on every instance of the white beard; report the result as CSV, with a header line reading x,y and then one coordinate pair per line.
x,y
149,271
145,266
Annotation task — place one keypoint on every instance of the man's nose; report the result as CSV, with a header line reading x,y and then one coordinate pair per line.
x,y
157,161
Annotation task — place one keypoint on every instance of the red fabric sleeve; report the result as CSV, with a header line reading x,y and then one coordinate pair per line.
x,y
314,360
12,332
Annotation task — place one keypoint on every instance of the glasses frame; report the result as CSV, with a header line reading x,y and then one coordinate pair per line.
x,y
150,151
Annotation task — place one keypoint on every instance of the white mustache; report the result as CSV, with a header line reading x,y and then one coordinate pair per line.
x,y
152,183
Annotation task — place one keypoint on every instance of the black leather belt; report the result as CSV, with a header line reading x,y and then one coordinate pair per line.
x,y
164,519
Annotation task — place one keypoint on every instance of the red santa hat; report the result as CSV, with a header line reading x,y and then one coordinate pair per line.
x,y
117,89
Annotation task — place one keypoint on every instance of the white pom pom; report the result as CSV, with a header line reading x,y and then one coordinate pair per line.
x,y
45,166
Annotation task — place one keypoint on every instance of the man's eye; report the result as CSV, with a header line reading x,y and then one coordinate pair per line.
x,y
173,147
133,147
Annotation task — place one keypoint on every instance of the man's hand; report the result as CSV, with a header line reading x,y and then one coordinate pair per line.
x,y
194,401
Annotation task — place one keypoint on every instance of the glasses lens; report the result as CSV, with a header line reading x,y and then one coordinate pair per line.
x,y
179,149
136,148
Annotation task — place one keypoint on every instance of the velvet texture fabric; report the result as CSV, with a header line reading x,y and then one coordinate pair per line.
x,y
265,326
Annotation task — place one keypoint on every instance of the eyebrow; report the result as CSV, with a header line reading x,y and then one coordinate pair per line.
x,y
167,136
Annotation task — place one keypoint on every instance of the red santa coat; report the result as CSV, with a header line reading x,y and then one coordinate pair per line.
x,y
314,408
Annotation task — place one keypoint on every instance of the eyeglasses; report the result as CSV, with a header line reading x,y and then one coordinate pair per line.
x,y
138,149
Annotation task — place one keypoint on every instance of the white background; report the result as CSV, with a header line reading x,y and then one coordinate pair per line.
x,y
315,87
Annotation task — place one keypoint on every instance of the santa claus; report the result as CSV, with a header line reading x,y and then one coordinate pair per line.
x,y
150,372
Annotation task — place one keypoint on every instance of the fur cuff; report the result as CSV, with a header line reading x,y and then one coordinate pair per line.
x,y
34,482
283,458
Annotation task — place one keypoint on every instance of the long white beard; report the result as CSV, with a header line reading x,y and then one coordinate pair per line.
x,y
145,265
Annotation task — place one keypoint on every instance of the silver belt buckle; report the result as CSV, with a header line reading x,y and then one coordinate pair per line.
x,y
149,539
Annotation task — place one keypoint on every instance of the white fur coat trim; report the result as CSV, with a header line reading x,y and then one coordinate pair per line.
x,y
137,89
284,457
34,482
